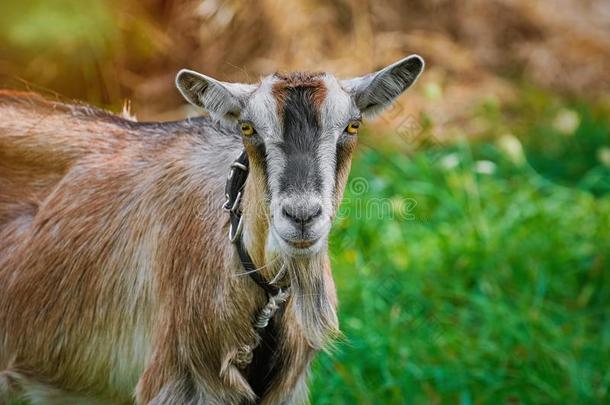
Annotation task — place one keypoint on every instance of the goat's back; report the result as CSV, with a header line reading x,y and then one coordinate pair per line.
x,y
40,141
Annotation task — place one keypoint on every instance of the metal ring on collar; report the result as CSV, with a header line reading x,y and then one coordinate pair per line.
x,y
240,166
235,205
233,236
225,205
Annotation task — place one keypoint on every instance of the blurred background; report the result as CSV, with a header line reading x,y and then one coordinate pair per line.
x,y
487,280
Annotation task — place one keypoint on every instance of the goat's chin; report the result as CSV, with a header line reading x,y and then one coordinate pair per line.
x,y
310,298
279,245
310,301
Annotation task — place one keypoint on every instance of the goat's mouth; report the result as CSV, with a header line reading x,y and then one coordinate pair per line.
x,y
298,247
298,241
301,244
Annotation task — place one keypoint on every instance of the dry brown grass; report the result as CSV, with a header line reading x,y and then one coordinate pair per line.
x,y
132,49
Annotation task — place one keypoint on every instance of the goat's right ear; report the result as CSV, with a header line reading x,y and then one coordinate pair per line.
x,y
222,100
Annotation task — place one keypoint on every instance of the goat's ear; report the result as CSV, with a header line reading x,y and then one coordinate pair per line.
x,y
376,91
222,100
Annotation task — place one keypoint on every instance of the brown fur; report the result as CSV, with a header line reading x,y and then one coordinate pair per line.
x,y
116,270
298,79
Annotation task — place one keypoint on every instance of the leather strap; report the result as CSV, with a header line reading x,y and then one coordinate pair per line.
x,y
234,190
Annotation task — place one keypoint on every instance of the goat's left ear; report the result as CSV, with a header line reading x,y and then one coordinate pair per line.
x,y
376,91
221,99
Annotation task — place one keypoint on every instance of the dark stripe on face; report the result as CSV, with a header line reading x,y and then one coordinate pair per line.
x,y
301,124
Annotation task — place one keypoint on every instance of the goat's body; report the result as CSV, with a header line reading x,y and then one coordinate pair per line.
x,y
115,271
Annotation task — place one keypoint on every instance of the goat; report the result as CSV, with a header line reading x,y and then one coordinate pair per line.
x,y
118,282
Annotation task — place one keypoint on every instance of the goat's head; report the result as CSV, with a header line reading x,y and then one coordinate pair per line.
x,y
299,130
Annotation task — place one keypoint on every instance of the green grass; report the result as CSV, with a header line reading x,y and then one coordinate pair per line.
x,y
495,288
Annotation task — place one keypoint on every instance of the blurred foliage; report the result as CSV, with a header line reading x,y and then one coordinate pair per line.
x,y
568,144
106,51
494,289
80,49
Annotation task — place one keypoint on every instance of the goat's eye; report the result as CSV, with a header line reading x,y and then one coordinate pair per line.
x,y
247,129
352,128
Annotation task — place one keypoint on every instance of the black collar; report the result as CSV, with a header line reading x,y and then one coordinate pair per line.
x,y
234,190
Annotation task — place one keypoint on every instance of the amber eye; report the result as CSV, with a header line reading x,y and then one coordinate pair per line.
x,y
352,128
247,129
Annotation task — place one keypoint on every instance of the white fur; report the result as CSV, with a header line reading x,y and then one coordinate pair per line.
x,y
345,101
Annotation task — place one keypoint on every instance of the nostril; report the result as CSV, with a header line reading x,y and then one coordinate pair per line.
x,y
302,214
316,212
288,213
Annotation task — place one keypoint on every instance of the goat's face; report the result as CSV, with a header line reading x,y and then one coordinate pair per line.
x,y
299,130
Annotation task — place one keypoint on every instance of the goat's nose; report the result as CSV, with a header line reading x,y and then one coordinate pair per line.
x,y
302,214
